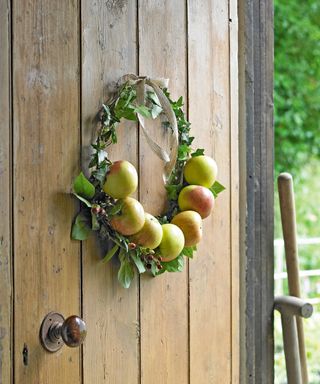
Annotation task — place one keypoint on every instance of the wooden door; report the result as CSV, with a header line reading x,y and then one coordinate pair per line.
x,y
58,60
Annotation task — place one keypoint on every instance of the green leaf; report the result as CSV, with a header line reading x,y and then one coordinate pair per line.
x,y
94,222
198,152
139,264
116,208
100,173
110,254
188,251
155,111
143,110
183,152
173,191
126,271
81,227
175,265
83,187
87,203
217,188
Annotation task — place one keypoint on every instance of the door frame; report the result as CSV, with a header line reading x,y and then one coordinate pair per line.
x,y
257,189
256,208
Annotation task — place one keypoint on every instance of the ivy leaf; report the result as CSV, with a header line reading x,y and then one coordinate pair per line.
x,y
217,188
173,191
81,227
83,187
155,111
175,265
126,271
94,222
183,152
188,251
155,271
143,111
100,173
116,208
154,98
198,152
129,114
110,254
139,264
87,203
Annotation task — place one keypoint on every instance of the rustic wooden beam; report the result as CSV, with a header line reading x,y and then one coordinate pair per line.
x,y
256,188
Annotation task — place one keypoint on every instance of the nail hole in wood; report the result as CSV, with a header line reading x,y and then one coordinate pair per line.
x,y
25,353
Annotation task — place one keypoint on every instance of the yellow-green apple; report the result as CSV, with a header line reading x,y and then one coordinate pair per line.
x,y
130,218
190,223
122,180
196,198
172,242
150,235
201,170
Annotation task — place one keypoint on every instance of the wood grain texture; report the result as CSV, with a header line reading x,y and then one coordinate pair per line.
x,y
164,300
256,125
5,193
234,191
46,154
210,271
111,352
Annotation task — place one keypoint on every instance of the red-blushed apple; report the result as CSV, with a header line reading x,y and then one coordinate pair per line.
x,y
172,242
190,223
150,235
201,170
196,198
121,180
130,218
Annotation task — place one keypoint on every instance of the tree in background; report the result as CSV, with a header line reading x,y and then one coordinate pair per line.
x,y
297,84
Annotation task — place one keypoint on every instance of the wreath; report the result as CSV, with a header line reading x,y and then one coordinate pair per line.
x,y
140,241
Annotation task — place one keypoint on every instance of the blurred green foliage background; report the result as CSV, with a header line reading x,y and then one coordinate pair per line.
x,y
297,150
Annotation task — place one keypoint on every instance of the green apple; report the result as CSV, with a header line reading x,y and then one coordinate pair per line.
x,y
196,198
190,223
201,170
150,235
122,180
130,218
172,242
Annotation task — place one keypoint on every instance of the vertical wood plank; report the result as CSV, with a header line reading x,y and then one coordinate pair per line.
x,y
46,153
210,272
111,353
164,300
234,190
256,127
5,201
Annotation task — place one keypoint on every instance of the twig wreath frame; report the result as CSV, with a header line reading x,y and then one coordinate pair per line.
x,y
104,195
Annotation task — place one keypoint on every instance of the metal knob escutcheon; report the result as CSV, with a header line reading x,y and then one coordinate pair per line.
x,y
56,331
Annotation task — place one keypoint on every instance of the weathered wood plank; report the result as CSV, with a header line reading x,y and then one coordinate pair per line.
x,y
210,271
111,353
46,154
256,125
5,201
234,191
164,300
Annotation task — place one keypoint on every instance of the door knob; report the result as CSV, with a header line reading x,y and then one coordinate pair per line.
x,y
56,331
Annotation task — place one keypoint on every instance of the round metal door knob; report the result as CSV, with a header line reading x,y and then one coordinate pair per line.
x,y
56,331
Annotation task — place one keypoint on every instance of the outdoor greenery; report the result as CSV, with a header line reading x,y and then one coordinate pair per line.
x,y
297,150
297,85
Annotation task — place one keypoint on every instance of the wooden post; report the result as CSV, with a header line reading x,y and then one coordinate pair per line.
x,y
288,218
